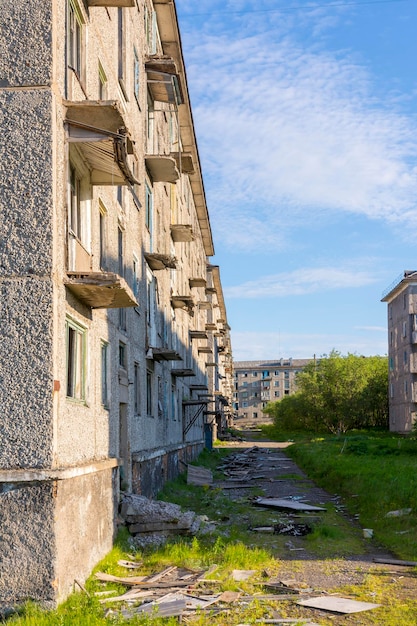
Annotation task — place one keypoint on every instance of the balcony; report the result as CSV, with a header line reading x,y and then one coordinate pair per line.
x,y
162,168
182,302
160,261
198,334
99,130
182,373
111,3
197,282
163,80
163,354
184,161
205,350
100,290
181,233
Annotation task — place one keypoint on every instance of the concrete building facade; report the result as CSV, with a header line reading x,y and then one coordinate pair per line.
x,y
115,353
256,383
401,298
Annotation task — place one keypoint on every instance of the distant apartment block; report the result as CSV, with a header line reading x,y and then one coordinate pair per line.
x,y
401,298
256,383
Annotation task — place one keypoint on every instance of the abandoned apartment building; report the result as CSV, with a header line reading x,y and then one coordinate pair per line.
x,y
115,359
256,383
401,299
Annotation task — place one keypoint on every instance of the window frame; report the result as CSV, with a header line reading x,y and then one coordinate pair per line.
x,y
76,360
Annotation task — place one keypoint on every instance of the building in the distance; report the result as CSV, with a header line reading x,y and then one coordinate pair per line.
x,y
258,382
401,298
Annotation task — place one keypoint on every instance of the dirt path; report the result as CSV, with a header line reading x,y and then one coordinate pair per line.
x,y
278,476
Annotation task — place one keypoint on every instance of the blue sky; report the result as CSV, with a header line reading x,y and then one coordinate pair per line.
x,y
306,122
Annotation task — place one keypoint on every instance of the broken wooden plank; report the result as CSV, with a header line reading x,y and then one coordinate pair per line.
x,y
337,604
129,564
129,580
281,503
154,578
395,562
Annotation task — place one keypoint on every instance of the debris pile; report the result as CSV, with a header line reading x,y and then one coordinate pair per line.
x,y
182,592
151,522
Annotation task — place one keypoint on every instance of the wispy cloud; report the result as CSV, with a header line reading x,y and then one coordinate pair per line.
x,y
252,346
290,133
301,282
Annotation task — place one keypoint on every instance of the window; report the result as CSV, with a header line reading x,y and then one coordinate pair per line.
x,y
136,388
120,251
391,363
255,414
122,319
121,59
75,219
151,30
405,357
149,376
102,83
286,392
136,75
245,384
265,374
244,405
276,394
276,373
75,39
76,336
276,383
404,329
414,322
135,267
104,373
102,237
255,374
149,210
122,355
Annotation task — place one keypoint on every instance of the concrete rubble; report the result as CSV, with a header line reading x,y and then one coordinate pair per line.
x,y
151,522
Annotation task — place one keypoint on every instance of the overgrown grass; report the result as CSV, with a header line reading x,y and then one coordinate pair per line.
x,y
375,473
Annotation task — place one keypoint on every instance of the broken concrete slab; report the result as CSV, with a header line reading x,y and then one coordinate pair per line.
x,y
284,504
337,604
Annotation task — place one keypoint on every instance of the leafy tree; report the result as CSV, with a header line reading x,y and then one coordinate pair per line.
x,y
336,393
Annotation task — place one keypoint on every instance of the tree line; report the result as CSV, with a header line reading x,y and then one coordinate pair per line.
x,y
336,393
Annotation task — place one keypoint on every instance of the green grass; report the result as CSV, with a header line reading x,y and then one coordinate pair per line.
x,y
374,473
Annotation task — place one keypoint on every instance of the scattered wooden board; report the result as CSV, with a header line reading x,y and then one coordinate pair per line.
x,y
199,476
396,562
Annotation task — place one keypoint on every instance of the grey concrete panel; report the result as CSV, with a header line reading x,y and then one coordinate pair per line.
x,y
25,42
26,205
26,545
26,373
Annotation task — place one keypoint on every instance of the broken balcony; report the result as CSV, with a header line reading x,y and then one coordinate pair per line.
x,y
181,233
182,373
182,302
184,161
163,80
158,261
163,354
197,282
100,290
162,168
99,130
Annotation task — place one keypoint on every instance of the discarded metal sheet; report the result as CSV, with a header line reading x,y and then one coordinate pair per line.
x,y
337,604
281,503
199,476
242,574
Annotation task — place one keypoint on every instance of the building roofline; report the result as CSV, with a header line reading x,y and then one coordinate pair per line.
x,y
399,284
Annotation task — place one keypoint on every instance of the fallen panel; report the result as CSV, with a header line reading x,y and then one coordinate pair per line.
x,y
280,503
337,604
199,476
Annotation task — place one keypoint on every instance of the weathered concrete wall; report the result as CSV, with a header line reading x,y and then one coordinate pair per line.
x,y
150,474
27,544
25,60
25,285
84,525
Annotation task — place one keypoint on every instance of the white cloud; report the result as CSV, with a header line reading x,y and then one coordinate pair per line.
x,y
300,282
288,133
